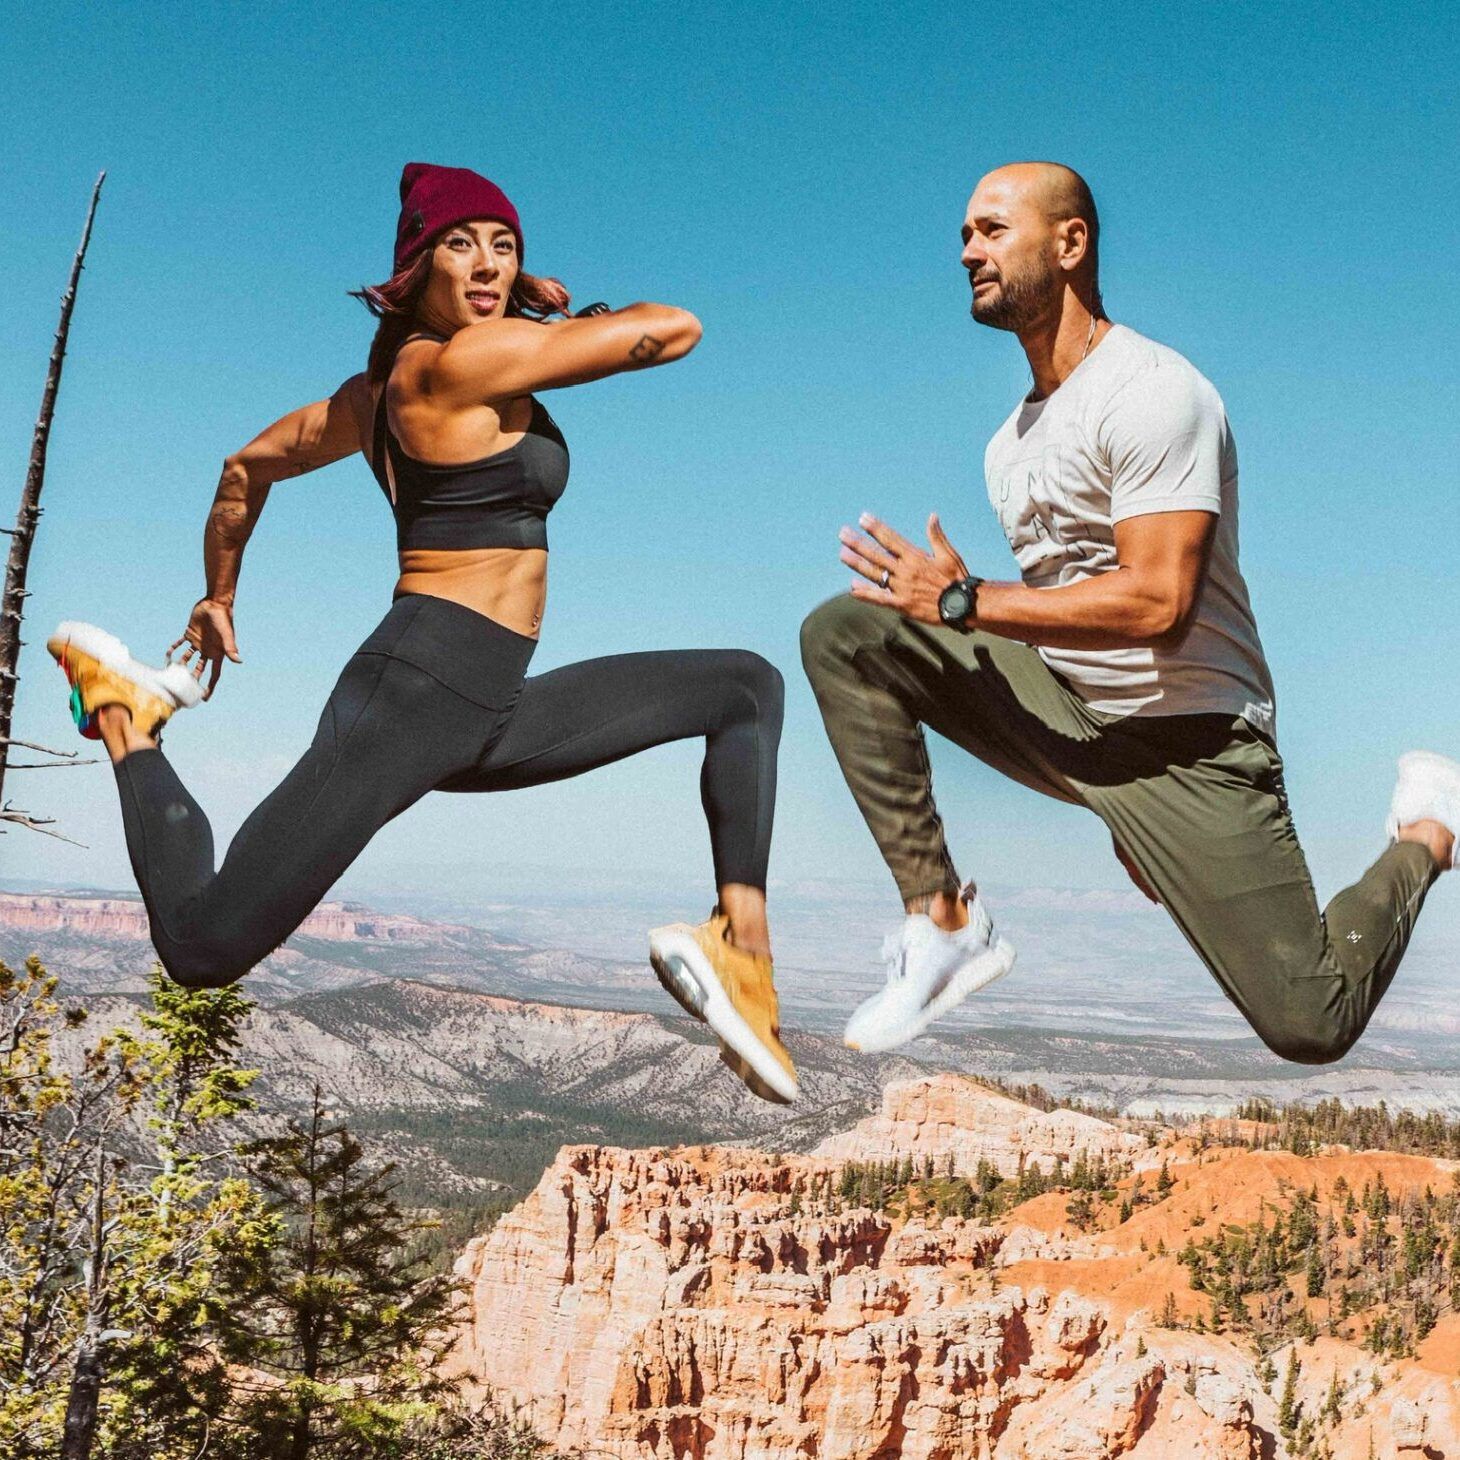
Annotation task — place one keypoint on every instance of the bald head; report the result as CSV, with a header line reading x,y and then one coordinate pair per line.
x,y
1036,221
1059,192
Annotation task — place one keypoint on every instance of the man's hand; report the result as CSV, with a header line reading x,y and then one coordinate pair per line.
x,y
898,574
209,639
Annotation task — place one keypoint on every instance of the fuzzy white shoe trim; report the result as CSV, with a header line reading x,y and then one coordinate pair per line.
x,y
173,684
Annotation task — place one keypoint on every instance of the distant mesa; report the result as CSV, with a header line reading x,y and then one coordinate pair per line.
x,y
125,919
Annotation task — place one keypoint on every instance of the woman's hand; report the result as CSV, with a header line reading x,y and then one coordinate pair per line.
x,y
900,574
209,639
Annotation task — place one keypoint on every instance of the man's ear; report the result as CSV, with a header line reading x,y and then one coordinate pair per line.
x,y
1074,243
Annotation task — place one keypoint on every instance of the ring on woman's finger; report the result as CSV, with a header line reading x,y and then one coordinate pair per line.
x,y
886,579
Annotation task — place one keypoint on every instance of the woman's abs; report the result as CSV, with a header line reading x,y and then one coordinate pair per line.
x,y
508,585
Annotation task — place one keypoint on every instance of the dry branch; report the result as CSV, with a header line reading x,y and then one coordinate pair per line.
x,y
53,765
22,536
44,750
35,823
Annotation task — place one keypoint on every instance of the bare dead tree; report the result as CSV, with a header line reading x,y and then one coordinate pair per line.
x,y
89,1366
22,536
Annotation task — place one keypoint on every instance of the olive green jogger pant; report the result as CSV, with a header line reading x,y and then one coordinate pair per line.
x,y
1196,802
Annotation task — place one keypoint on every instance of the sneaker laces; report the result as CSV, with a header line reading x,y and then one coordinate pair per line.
x,y
894,957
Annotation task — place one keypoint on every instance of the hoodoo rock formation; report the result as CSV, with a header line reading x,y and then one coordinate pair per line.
x,y
721,1304
962,1119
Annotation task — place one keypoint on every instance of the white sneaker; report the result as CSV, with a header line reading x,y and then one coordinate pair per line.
x,y
928,973
1428,789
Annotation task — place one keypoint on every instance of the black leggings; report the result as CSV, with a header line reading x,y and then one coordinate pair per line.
x,y
436,699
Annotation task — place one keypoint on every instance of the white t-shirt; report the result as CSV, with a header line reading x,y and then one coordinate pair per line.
x,y
1134,428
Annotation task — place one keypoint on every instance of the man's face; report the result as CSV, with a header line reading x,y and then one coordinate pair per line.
x,y
1009,250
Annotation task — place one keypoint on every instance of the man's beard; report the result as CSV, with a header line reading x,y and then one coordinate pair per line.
x,y
1022,298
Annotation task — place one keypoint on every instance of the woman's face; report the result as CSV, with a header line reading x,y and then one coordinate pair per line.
x,y
473,268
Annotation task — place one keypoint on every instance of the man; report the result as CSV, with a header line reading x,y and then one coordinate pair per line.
x,y
1124,673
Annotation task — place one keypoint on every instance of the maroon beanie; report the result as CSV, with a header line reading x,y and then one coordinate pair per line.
x,y
435,198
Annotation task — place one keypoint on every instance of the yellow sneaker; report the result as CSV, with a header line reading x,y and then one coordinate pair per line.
x,y
101,671
734,993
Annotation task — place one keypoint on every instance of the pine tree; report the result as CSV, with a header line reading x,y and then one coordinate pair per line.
x,y
1315,1274
1289,1408
1164,1181
173,1230
345,1328
455,1434
1080,1172
59,1188
1078,1210
964,1199
36,1313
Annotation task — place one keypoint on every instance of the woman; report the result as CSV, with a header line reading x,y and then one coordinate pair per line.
x,y
436,698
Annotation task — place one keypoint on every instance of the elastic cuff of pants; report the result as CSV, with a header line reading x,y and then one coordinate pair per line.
x,y
910,889
1415,850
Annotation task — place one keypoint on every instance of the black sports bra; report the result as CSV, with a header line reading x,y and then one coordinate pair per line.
x,y
500,501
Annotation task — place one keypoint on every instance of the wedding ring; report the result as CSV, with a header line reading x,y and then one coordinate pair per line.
x,y
886,575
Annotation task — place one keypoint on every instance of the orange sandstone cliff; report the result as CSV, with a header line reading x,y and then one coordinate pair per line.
x,y
725,1304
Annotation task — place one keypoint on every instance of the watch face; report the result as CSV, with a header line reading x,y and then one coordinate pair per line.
x,y
955,603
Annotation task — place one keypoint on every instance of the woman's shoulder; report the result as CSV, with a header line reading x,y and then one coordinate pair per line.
x,y
358,396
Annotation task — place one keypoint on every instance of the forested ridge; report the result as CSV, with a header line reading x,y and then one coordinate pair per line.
x,y
170,1288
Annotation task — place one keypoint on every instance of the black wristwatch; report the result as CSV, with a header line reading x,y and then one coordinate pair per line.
x,y
589,310
958,603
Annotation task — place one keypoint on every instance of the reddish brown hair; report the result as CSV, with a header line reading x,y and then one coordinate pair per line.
x,y
394,304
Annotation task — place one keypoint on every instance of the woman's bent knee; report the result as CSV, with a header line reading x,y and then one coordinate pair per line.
x,y
202,963
750,689
759,676
202,973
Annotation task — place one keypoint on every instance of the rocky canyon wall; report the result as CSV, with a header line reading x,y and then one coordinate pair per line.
x,y
709,1304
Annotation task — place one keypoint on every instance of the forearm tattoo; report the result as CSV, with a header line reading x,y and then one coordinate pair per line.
x,y
230,522
647,351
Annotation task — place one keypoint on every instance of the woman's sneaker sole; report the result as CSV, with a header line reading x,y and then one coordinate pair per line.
x,y
682,968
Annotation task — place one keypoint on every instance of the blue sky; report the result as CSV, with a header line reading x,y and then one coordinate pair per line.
x,y
1278,188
